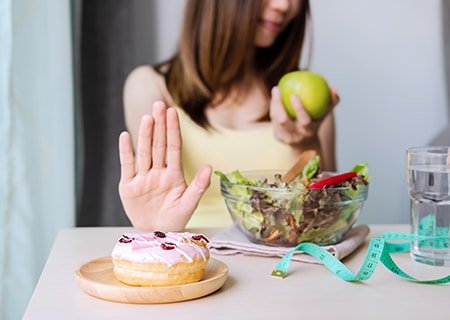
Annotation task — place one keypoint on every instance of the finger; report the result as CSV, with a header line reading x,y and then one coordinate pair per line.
x,y
303,117
334,98
277,112
173,140
197,188
127,162
144,144
159,135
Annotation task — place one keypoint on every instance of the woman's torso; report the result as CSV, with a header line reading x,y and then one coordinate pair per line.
x,y
227,150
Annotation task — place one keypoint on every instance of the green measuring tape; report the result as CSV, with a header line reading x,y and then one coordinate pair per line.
x,y
379,250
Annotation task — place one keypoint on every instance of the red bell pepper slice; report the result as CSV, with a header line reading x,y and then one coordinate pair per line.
x,y
328,181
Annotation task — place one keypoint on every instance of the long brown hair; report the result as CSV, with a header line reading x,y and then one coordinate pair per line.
x,y
217,49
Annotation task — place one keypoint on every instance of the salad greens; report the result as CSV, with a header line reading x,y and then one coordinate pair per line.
x,y
287,213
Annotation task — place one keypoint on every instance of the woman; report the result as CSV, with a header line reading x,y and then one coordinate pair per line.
x,y
226,106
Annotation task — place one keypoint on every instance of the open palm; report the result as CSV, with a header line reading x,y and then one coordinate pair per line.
x,y
152,187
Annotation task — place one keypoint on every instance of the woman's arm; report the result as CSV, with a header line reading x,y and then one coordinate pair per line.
x,y
327,140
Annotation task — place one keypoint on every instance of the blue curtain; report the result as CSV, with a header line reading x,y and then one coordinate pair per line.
x,y
5,124
37,142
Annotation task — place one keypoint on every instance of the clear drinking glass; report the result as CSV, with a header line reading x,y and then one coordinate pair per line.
x,y
428,185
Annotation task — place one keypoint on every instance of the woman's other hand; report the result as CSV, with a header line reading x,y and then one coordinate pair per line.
x,y
304,133
152,187
302,130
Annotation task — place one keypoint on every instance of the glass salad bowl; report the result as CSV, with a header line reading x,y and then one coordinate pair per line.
x,y
277,213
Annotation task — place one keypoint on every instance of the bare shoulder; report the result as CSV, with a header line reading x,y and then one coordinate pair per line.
x,y
144,73
143,86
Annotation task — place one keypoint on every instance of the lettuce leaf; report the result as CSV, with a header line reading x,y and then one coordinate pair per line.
x,y
362,169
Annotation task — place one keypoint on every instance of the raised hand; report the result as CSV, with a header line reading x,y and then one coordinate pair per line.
x,y
152,187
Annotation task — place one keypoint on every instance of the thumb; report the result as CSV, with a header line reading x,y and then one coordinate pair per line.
x,y
277,112
197,188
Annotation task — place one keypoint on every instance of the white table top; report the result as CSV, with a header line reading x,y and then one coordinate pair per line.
x,y
309,292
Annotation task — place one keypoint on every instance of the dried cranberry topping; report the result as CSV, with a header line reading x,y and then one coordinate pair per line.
x,y
199,237
125,239
159,234
168,246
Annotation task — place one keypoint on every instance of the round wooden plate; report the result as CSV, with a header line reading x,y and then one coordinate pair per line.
x,y
97,279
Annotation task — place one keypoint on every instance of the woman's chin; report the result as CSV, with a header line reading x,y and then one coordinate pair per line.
x,y
264,42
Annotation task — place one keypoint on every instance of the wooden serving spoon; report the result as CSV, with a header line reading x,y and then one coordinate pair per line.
x,y
298,166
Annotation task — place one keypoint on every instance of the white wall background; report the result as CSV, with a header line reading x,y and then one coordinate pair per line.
x,y
386,60
169,14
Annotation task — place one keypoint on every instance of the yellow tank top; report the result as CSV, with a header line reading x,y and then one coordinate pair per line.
x,y
227,150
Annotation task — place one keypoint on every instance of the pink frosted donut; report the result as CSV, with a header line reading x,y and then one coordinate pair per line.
x,y
160,259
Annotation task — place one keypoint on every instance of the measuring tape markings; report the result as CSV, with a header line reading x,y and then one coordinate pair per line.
x,y
379,251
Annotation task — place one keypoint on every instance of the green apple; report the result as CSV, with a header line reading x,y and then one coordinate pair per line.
x,y
310,87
